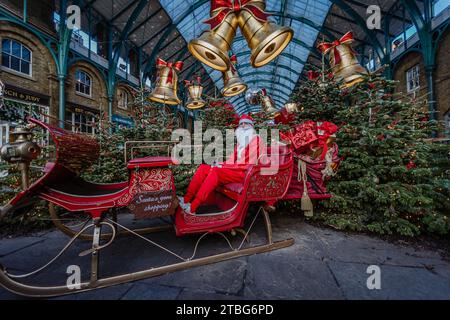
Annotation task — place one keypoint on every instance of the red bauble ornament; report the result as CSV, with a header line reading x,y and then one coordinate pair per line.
x,y
411,165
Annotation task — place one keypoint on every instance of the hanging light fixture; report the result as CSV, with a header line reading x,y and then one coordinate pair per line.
x,y
195,90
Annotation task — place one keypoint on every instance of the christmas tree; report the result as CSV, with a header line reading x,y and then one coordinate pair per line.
x,y
392,178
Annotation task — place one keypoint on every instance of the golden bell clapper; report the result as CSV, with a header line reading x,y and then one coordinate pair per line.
x,y
265,38
166,85
343,61
195,91
291,107
213,45
267,104
233,84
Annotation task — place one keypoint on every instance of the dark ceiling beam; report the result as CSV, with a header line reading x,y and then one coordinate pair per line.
x,y
145,20
170,42
121,12
195,63
383,13
351,21
157,33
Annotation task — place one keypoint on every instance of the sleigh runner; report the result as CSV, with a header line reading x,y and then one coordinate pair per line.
x,y
148,193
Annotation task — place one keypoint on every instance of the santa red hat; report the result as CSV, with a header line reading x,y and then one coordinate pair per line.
x,y
246,119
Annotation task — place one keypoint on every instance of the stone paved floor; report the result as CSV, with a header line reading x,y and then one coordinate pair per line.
x,y
322,264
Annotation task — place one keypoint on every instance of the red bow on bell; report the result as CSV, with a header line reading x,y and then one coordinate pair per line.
x,y
228,6
327,46
177,66
312,75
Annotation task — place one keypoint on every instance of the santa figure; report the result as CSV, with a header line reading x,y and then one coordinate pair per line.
x,y
247,151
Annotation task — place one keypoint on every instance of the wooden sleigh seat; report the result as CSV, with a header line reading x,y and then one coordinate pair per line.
x,y
226,208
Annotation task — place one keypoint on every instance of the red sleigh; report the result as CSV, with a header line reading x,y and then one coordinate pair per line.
x,y
149,193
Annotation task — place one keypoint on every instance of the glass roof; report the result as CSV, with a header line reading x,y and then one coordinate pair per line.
x,y
278,77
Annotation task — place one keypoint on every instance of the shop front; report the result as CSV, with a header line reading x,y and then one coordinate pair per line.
x,y
122,122
18,104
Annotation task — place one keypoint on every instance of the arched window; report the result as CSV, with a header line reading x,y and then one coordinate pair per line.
x,y
180,120
16,56
122,99
83,83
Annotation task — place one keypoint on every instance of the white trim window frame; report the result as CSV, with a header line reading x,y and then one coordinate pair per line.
x,y
17,57
83,123
413,79
83,83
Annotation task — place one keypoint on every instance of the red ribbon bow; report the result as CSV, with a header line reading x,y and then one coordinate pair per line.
x,y
327,46
325,130
189,83
177,66
228,6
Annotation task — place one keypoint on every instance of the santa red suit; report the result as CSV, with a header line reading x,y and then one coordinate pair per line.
x,y
206,179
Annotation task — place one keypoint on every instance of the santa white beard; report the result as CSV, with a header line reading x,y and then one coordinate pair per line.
x,y
243,137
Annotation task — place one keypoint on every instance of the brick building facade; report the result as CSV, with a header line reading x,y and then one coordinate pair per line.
x,y
41,88
441,77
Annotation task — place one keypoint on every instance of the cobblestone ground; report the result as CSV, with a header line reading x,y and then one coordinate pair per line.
x,y
322,264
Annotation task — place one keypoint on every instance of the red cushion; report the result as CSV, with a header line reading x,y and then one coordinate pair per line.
x,y
231,190
151,162
234,187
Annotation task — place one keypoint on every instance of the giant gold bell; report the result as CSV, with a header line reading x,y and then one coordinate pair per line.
x,y
195,100
212,46
349,70
165,90
265,39
268,106
233,84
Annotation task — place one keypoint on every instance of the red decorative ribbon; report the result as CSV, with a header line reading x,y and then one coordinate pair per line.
x,y
264,92
324,131
327,46
312,75
225,7
189,83
178,66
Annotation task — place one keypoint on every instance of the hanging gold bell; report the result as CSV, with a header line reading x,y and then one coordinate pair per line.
x,y
291,107
195,100
212,46
265,39
268,106
343,61
349,68
166,85
233,84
